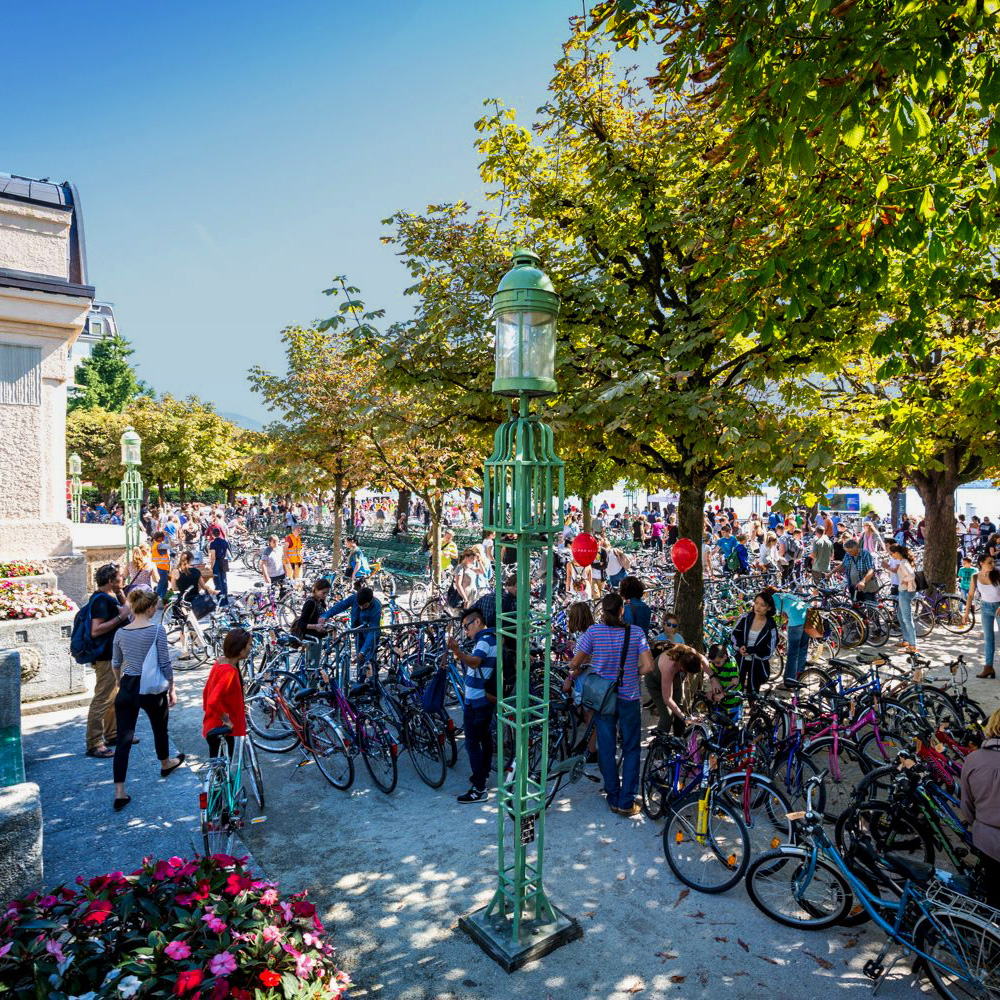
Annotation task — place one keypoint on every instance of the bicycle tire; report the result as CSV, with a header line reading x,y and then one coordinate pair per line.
x,y
771,878
657,784
889,828
271,731
879,627
853,630
425,748
763,808
938,708
379,752
724,850
813,680
251,768
950,611
840,781
793,784
217,829
924,618
978,942
326,747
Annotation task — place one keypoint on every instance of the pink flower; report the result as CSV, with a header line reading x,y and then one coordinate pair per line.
x,y
5,948
54,948
47,901
272,933
177,950
269,898
225,860
214,923
304,966
286,911
236,884
223,964
175,862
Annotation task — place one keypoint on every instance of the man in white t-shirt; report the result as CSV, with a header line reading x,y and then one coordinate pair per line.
x,y
272,565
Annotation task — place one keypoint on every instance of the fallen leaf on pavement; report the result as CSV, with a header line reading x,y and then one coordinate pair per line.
x,y
743,944
680,899
766,959
590,913
677,979
723,940
635,986
667,956
821,962
851,943
621,878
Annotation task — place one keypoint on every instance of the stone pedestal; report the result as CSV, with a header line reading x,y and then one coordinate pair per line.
x,y
20,805
46,668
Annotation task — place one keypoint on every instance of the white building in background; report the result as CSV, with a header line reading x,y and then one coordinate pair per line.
x,y
100,325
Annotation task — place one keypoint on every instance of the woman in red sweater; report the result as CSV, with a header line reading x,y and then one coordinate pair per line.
x,y
223,696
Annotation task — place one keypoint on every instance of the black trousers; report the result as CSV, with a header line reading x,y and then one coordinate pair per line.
x,y
128,702
753,672
215,742
479,742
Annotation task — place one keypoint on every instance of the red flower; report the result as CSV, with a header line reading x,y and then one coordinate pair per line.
x,y
68,894
162,871
236,884
99,911
241,994
303,909
219,990
270,979
188,980
226,860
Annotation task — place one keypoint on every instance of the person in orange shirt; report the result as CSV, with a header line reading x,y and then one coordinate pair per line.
x,y
222,699
293,553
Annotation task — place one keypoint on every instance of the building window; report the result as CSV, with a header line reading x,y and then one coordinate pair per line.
x,y
97,329
20,375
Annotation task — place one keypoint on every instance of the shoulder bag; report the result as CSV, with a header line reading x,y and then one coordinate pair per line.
x,y
153,679
599,693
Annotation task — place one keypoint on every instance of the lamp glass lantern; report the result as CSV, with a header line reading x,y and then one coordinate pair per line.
x,y
525,308
75,465
131,445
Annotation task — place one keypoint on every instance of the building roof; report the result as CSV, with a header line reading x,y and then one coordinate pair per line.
x,y
64,195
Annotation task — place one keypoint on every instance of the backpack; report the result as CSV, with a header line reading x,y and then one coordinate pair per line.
x,y
733,561
792,548
83,647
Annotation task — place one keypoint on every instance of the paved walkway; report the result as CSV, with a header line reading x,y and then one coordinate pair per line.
x,y
392,874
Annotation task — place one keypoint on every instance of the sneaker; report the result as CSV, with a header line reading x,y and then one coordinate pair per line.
x,y
474,795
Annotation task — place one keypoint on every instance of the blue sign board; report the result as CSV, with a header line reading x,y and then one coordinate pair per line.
x,y
844,503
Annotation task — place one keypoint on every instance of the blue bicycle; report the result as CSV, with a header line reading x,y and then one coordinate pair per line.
x,y
809,885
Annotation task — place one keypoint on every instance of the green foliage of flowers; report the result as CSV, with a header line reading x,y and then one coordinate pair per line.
x,y
27,600
22,567
204,929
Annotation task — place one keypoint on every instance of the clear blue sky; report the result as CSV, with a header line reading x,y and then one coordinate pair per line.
x,y
232,157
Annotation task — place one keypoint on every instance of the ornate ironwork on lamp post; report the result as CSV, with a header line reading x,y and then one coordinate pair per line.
x,y
523,499
75,488
131,489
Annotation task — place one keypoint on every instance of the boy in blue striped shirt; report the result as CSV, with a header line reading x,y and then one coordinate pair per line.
x,y
480,700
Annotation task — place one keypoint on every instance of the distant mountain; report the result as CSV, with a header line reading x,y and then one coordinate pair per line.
x,y
248,423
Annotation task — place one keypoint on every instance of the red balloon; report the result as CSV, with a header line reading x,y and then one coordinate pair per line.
x,y
769,503
684,554
584,549
717,507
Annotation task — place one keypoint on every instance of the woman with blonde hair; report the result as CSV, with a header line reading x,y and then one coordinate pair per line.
x,y
871,540
141,573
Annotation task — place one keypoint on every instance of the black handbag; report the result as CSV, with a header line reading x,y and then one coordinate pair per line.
x,y
599,693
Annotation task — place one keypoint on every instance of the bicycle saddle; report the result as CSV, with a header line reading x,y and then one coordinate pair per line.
x,y
871,658
421,672
357,690
306,693
218,732
916,871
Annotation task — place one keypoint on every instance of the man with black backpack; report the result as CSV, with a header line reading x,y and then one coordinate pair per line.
x,y
480,701
93,631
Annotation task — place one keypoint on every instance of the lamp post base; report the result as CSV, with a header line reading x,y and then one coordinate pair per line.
x,y
537,937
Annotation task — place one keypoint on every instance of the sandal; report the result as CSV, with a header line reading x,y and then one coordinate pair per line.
x,y
120,804
103,752
164,771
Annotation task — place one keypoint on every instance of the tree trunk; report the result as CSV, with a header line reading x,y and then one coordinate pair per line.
x,y
689,586
180,486
354,509
338,520
894,511
588,520
435,512
162,498
231,496
940,540
403,505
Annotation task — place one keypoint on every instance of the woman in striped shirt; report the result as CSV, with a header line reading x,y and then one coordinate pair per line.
x,y
131,645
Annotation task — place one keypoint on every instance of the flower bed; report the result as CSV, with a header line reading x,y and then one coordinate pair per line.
x,y
27,600
203,929
22,567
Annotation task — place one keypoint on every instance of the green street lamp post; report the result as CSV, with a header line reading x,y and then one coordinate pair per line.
x,y
131,489
523,498
75,488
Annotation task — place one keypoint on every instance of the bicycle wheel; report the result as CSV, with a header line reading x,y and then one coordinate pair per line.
x,y
425,748
417,597
966,954
710,856
853,630
763,807
879,627
890,829
661,779
269,726
792,778
950,609
328,749
218,829
934,705
924,618
814,680
846,766
379,752
786,886
252,772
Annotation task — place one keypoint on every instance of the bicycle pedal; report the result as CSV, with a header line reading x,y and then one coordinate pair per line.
x,y
873,970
